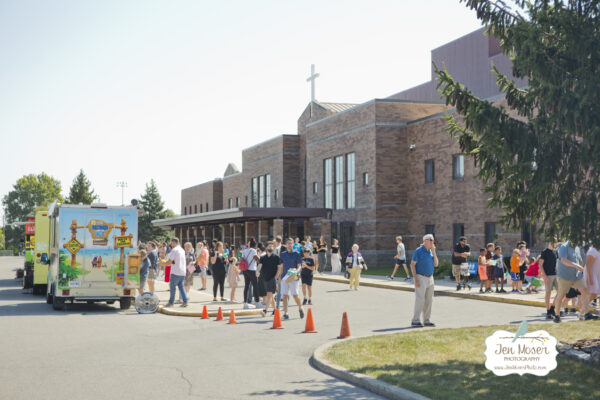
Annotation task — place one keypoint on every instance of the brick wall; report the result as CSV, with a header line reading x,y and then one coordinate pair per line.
x,y
208,192
233,188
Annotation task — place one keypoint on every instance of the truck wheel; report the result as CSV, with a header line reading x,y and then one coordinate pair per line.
x,y
125,303
58,303
49,299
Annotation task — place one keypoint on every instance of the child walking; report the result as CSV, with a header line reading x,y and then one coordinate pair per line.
x,y
306,274
233,276
515,272
534,273
482,269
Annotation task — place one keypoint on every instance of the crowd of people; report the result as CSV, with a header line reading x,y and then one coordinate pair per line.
x,y
277,271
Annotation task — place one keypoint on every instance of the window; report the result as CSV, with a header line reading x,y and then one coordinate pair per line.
x,y
491,232
184,210
237,201
195,208
365,179
458,169
458,230
276,194
267,190
245,200
206,207
350,181
254,192
429,171
315,187
230,203
430,230
261,191
200,207
327,179
339,182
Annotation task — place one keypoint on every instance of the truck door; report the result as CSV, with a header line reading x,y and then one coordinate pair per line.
x,y
99,257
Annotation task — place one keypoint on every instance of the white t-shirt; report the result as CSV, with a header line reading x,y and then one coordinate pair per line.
x,y
401,251
177,255
249,255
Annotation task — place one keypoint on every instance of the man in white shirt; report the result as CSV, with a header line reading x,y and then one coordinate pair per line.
x,y
177,261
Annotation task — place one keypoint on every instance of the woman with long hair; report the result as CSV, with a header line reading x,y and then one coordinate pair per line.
x,y
336,264
218,261
322,255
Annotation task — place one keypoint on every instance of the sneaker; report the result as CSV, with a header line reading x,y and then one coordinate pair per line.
x,y
562,314
168,305
566,311
488,290
246,306
264,313
408,279
310,302
589,316
573,310
391,278
557,319
548,315
180,302
497,291
272,313
417,324
551,311
184,304
301,313
458,286
203,288
480,290
304,302
286,317
223,299
429,323
502,291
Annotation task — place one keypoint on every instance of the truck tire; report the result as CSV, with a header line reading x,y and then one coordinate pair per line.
x,y
50,295
58,303
125,303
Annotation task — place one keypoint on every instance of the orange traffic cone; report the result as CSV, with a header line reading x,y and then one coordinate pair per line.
x,y
277,320
219,315
204,313
232,317
345,331
310,324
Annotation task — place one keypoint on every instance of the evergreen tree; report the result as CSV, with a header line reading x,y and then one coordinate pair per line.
x,y
81,191
539,155
154,208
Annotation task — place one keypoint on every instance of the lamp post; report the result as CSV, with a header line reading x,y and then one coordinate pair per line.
x,y
122,185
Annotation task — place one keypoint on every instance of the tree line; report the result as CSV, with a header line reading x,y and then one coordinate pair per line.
x,y
31,191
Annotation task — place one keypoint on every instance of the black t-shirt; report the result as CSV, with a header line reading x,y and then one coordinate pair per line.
x,y
549,262
309,262
269,266
322,247
460,249
334,249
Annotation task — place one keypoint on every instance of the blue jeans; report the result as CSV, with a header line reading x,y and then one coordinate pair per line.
x,y
278,295
175,282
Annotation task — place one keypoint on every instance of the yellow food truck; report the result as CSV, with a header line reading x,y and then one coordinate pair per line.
x,y
93,255
41,251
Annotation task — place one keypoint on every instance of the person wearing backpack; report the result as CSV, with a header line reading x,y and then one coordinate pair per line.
x,y
248,265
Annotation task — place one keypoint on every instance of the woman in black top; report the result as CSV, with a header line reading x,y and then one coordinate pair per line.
x,y
322,249
336,264
218,262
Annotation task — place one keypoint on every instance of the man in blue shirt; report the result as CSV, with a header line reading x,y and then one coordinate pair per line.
x,y
292,263
569,265
424,260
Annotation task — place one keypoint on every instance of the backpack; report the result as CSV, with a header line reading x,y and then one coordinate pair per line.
x,y
244,264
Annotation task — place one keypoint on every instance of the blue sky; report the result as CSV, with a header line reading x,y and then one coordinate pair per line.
x,y
174,90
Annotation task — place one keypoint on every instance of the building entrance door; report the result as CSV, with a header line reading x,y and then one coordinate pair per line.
x,y
346,234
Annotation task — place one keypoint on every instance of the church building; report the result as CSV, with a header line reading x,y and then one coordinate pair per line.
x,y
361,173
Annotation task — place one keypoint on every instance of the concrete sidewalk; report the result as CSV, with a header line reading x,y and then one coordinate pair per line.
x,y
444,287
196,302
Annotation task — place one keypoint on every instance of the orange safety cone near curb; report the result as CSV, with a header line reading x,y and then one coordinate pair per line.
x,y
277,320
232,317
310,324
345,331
219,315
204,313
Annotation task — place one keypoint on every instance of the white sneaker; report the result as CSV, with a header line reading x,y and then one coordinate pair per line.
x,y
246,306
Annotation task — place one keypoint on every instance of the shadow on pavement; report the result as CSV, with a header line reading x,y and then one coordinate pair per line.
x,y
328,389
393,329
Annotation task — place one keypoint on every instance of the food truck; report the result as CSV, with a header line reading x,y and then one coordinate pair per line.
x,y
29,248
41,250
93,254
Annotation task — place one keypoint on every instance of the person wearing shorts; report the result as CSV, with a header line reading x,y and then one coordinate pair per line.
x,y
269,269
306,275
569,264
291,266
461,252
490,269
514,272
202,262
400,259
548,271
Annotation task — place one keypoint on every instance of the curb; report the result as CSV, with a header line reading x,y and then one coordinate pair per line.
x,y
376,386
211,314
444,293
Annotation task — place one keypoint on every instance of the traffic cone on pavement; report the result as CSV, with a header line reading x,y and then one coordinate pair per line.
x,y
204,313
345,331
310,324
277,320
219,315
232,317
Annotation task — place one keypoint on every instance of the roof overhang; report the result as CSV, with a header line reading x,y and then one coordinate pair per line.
x,y
241,214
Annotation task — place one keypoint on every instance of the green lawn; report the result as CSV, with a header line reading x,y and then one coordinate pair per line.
x,y
449,364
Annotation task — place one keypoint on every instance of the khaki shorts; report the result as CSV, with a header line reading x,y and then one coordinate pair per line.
x,y
456,270
564,285
552,283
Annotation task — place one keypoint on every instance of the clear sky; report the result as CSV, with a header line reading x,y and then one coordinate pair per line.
x,y
174,90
